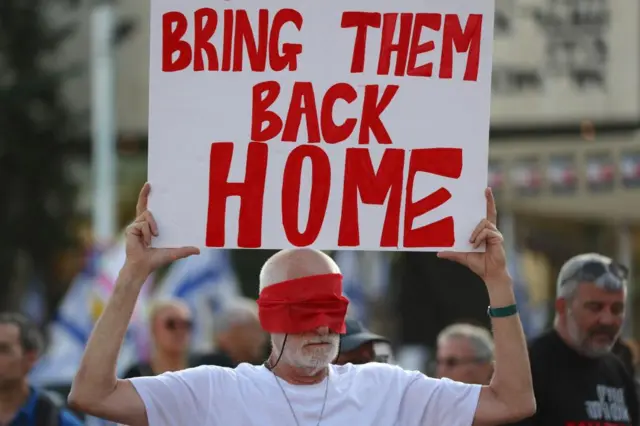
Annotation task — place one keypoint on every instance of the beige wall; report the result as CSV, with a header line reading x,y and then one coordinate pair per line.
x,y
532,85
548,69
132,63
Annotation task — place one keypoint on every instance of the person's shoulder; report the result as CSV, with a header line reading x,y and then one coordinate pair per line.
x,y
373,372
218,373
207,370
55,401
187,376
368,368
246,370
613,362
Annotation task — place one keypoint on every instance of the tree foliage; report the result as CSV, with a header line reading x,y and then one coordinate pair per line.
x,y
37,197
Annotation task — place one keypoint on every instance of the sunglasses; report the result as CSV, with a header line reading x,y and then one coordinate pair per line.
x,y
612,275
174,324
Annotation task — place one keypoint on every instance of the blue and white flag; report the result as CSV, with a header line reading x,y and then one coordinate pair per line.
x,y
353,284
82,305
68,333
206,282
33,303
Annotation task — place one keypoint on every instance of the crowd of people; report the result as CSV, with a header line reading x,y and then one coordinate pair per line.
x,y
293,357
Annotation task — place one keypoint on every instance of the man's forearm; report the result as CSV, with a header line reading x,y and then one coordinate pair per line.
x,y
511,381
96,376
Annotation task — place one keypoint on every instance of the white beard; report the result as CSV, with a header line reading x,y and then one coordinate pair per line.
x,y
298,354
582,343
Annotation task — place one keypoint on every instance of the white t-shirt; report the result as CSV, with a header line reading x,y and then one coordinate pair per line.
x,y
371,394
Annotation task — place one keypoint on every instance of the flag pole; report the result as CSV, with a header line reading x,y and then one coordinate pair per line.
x,y
103,129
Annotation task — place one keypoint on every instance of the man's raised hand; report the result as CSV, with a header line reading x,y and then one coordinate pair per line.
x,y
140,255
491,265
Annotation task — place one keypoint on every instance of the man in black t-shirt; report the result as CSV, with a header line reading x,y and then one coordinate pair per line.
x,y
578,381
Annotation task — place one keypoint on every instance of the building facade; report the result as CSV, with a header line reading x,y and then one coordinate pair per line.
x,y
565,141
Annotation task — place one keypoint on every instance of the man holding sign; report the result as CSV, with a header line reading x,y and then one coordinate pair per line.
x,y
301,304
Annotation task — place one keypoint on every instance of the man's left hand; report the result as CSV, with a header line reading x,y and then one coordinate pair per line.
x,y
491,265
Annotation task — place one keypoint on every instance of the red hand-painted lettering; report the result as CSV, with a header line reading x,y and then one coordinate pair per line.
x,y
251,193
320,187
463,41
362,183
409,32
445,162
320,126
238,36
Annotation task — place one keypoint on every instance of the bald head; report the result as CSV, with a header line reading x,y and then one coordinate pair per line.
x,y
162,306
296,263
170,321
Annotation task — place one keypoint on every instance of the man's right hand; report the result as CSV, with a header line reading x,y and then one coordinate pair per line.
x,y
141,257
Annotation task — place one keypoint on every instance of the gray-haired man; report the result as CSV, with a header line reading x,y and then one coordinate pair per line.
x,y
238,336
465,354
577,379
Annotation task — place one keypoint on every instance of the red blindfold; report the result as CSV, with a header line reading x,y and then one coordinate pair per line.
x,y
304,304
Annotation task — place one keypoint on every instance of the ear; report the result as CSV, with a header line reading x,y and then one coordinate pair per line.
x,y
30,358
561,306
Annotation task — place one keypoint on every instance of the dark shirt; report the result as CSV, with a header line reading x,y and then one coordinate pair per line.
x,y
219,359
574,390
26,416
142,369
622,350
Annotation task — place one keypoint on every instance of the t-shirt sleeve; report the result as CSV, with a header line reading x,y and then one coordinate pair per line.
x,y
177,399
436,402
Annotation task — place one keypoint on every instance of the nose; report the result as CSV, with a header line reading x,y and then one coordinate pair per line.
x,y
322,331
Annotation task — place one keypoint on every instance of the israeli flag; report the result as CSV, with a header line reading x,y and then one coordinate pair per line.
x,y
82,305
206,282
68,333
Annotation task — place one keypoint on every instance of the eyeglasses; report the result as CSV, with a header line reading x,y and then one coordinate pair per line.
x,y
612,275
174,324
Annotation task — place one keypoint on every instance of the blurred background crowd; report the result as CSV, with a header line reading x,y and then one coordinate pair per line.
x,y
564,165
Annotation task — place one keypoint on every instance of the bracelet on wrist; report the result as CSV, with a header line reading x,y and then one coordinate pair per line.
x,y
502,312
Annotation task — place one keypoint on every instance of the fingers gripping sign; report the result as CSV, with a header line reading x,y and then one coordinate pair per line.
x,y
490,265
139,235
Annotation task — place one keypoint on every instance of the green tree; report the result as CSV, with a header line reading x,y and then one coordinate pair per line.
x,y
37,195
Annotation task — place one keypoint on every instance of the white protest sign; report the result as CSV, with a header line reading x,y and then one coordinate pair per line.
x,y
359,124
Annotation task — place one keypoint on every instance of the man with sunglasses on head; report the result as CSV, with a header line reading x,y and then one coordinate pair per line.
x,y
170,324
465,354
302,306
578,380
